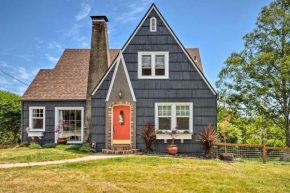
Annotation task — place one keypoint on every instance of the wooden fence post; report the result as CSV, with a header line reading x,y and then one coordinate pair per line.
x,y
264,151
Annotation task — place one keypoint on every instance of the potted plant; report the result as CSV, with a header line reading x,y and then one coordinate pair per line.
x,y
208,139
172,149
59,129
148,137
226,156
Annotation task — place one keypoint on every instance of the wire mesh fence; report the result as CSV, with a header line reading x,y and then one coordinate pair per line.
x,y
253,152
250,153
278,155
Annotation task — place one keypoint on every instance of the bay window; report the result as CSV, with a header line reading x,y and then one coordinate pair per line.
x,y
153,65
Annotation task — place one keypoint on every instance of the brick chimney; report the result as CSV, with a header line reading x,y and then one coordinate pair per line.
x,y
99,62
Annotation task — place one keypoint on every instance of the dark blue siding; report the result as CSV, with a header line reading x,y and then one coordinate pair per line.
x,y
49,117
98,123
184,84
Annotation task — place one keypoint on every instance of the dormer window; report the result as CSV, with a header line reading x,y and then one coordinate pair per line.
x,y
153,24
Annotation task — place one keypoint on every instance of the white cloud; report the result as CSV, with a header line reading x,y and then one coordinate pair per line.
x,y
74,30
4,81
85,44
84,11
23,73
51,58
4,64
55,45
22,89
136,8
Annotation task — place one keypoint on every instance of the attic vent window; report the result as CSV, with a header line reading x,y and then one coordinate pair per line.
x,y
153,24
195,59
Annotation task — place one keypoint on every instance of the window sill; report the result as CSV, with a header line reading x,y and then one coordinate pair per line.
x,y
35,134
179,136
153,77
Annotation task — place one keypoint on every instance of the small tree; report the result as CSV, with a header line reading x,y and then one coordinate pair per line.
x,y
208,139
225,123
148,137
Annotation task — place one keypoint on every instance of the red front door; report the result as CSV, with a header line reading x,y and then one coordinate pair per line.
x,y
121,124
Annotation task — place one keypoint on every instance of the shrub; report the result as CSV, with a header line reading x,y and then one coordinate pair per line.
x,y
86,148
208,139
10,117
60,147
34,146
24,144
49,145
72,147
148,137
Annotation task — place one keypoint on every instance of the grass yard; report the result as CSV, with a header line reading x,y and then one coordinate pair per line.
x,y
23,155
148,174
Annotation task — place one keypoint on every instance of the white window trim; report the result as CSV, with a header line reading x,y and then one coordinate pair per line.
x,y
173,115
31,121
56,118
151,26
153,54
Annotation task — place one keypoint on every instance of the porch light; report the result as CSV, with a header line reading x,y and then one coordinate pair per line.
x,y
120,94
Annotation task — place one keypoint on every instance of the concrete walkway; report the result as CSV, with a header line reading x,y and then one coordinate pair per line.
x,y
87,158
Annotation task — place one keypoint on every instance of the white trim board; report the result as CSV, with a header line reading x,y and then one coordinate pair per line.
x,y
176,39
120,57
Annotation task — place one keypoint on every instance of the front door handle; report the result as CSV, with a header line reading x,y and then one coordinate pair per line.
x,y
113,130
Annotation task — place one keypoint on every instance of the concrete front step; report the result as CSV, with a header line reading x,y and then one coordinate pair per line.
x,y
119,152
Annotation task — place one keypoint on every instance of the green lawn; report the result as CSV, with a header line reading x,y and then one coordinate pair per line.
x,y
148,174
22,155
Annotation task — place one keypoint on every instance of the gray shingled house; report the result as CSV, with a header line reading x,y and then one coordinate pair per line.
x,y
107,95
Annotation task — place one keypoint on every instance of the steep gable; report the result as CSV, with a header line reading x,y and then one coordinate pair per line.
x,y
144,40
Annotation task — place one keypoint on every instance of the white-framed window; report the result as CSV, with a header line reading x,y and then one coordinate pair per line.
x,y
169,115
153,65
153,24
70,121
37,118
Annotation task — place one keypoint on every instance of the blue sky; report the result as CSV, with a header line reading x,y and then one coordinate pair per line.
x,y
34,33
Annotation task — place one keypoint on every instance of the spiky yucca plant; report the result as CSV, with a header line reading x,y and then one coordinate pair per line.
x,y
148,137
208,139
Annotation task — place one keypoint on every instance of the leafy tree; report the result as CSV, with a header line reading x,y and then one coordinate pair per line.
x,y
255,81
10,117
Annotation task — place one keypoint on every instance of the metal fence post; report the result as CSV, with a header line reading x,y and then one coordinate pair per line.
x,y
264,151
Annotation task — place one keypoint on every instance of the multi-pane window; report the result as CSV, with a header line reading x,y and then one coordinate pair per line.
x,y
153,65
37,118
164,117
153,24
170,115
70,123
182,116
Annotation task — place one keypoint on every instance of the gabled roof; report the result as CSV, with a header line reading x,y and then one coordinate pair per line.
x,y
120,61
153,7
68,80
